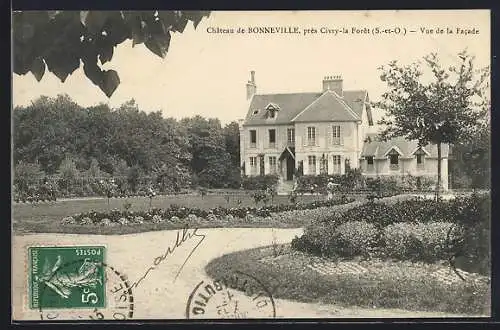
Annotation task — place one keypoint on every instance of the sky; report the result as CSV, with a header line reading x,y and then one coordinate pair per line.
x,y
206,73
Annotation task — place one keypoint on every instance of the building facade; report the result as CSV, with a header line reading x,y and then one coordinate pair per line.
x,y
325,132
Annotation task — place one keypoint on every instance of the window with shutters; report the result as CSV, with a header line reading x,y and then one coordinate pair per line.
x,y
311,136
290,136
253,138
272,138
272,164
336,164
311,164
336,135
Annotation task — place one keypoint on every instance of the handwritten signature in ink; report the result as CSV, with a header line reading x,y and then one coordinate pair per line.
x,y
184,235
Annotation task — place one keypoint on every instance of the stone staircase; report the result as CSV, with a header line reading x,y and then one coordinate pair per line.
x,y
285,187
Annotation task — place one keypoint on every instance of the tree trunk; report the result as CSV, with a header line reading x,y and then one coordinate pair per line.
x,y
438,186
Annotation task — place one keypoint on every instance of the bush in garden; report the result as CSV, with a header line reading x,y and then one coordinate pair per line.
x,y
105,222
260,196
313,183
349,181
25,174
476,220
86,221
139,219
157,219
289,213
68,221
123,221
259,182
414,229
418,241
355,238
317,241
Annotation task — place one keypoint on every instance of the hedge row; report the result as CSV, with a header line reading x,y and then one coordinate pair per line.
x,y
354,181
176,213
417,229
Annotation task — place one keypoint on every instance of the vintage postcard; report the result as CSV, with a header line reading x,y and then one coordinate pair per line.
x,y
250,165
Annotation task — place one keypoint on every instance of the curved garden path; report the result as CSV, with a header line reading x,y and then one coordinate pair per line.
x,y
158,295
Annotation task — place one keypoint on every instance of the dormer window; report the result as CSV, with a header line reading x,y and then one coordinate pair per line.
x,y
420,156
256,111
272,110
393,156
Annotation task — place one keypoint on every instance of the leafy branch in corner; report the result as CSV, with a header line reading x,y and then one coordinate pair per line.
x,y
61,40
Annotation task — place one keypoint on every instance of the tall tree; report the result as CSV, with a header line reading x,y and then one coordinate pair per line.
x,y
232,137
59,40
208,149
44,131
445,110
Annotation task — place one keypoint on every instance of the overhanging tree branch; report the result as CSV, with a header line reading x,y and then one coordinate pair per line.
x,y
59,40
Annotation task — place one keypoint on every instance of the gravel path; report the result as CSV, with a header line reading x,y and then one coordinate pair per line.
x,y
158,296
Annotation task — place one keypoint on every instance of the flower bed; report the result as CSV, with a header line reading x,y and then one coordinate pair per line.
x,y
175,214
416,229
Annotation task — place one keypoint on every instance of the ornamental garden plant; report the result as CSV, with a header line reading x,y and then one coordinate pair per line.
x,y
175,213
414,230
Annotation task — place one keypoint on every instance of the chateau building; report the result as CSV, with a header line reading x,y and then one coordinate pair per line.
x,y
325,132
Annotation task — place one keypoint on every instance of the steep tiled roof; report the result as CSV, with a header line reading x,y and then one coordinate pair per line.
x,y
379,148
290,105
355,99
328,107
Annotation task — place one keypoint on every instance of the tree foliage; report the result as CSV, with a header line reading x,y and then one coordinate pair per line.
x,y
66,139
61,40
471,165
446,110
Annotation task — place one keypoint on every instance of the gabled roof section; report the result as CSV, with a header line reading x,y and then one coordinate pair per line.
x,y
328,107
379,149
272,106
289,104
393,149
418,150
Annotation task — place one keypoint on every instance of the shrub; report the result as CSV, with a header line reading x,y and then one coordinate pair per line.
x,y
414,229
68,221
157,219
26,173
259,182
314,183
355,238
418,241
86,221
291,213
476,219
260,196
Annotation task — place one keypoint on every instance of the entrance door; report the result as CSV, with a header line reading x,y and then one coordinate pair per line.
x,y
290,168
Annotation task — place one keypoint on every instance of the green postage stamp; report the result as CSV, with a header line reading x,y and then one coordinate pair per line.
x,y
67,277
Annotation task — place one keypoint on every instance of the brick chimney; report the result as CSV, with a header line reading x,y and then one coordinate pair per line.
x,y
333,83
251,87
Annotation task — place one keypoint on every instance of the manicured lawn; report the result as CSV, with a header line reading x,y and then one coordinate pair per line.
x,y
386,284
46,217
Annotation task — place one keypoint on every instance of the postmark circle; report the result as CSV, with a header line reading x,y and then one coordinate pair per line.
x,y
118,296
235,296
